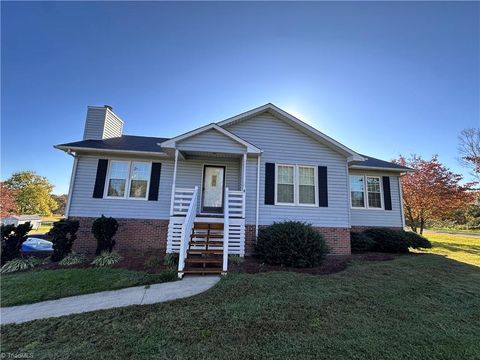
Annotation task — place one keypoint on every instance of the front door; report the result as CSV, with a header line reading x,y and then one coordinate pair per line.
x,y
212,191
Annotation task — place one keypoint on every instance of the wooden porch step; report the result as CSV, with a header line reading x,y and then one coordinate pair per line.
x,y
203,271
204,235
203,260
205,252
203,242
207,226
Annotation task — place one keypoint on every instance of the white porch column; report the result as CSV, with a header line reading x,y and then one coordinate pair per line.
x,y
174,181
258,196
244,172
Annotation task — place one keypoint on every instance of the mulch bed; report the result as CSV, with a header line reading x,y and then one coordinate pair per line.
x,y
332,264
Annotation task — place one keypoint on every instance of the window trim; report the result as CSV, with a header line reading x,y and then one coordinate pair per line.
x,y
365,192
127,196
296,184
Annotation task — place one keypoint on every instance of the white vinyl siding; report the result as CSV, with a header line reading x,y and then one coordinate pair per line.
x,y
189,175
212,141
379,217
283,144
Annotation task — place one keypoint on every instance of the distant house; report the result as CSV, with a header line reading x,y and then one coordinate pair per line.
x,y
224,181
35,220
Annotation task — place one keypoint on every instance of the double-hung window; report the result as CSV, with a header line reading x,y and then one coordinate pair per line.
x,y
128,179
296,185
366,192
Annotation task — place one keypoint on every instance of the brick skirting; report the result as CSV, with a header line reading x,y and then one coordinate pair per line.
x,y
337,239
133,235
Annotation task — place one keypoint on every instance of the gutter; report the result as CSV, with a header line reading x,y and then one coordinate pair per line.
x,y
68,149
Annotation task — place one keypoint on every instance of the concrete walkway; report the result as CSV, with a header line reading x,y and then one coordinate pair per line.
x,y
139,295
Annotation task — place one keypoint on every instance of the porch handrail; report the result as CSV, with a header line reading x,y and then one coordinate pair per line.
x,y
226,228
186,230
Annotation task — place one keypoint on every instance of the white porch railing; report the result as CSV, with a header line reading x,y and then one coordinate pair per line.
x,y
226,228
234,202
186,230
182,199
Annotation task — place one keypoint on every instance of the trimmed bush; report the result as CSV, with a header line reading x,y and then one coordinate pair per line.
x,y
388,240
417,241
104,229
20,264
395,241
63,234
107,259
291,243
360,242
171,260
12,239
72,259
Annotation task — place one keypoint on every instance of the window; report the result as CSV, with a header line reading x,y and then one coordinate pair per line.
x,y
128,178
140,174
359,185
117,179
285,184
374,193
296,185
357,191
306,185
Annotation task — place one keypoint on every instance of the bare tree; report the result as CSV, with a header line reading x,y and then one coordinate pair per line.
x,y
469,149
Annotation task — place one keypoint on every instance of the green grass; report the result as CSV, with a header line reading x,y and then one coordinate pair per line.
x,y
34,286
461,248
477,231
420,306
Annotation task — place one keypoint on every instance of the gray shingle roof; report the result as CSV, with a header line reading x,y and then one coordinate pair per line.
x,y
125,142
373,162
149,144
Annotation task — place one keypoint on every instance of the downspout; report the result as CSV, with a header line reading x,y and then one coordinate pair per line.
x,y
402,214
348,198
72,182
258,197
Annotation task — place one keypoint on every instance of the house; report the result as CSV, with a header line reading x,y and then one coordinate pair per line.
x,y
223,181
35,220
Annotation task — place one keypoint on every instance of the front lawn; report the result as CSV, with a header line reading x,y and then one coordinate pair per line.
x,y
461,248
416,306
34,286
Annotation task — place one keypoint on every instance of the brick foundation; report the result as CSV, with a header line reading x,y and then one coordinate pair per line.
x,y
337,239
142,235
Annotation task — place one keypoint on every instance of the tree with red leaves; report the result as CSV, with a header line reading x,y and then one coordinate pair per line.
x,y
7,201
431,191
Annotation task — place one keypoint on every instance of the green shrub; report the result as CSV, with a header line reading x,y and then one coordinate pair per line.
x,y
12,239
63,234
104,229
171,260
20,264
360,242
72,259
235,259
291,243
417,241
153,262
388,240
107,259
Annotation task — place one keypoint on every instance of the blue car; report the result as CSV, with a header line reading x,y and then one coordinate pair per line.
x,y
36,244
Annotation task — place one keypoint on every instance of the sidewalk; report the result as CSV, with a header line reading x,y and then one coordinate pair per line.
x,y
139,295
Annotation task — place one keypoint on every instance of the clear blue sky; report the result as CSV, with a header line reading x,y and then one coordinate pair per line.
x,y
382,78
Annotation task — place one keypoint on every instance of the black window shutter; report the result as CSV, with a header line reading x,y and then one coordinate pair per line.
x,y
322,186
269,183
387,196
154,181
100,178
